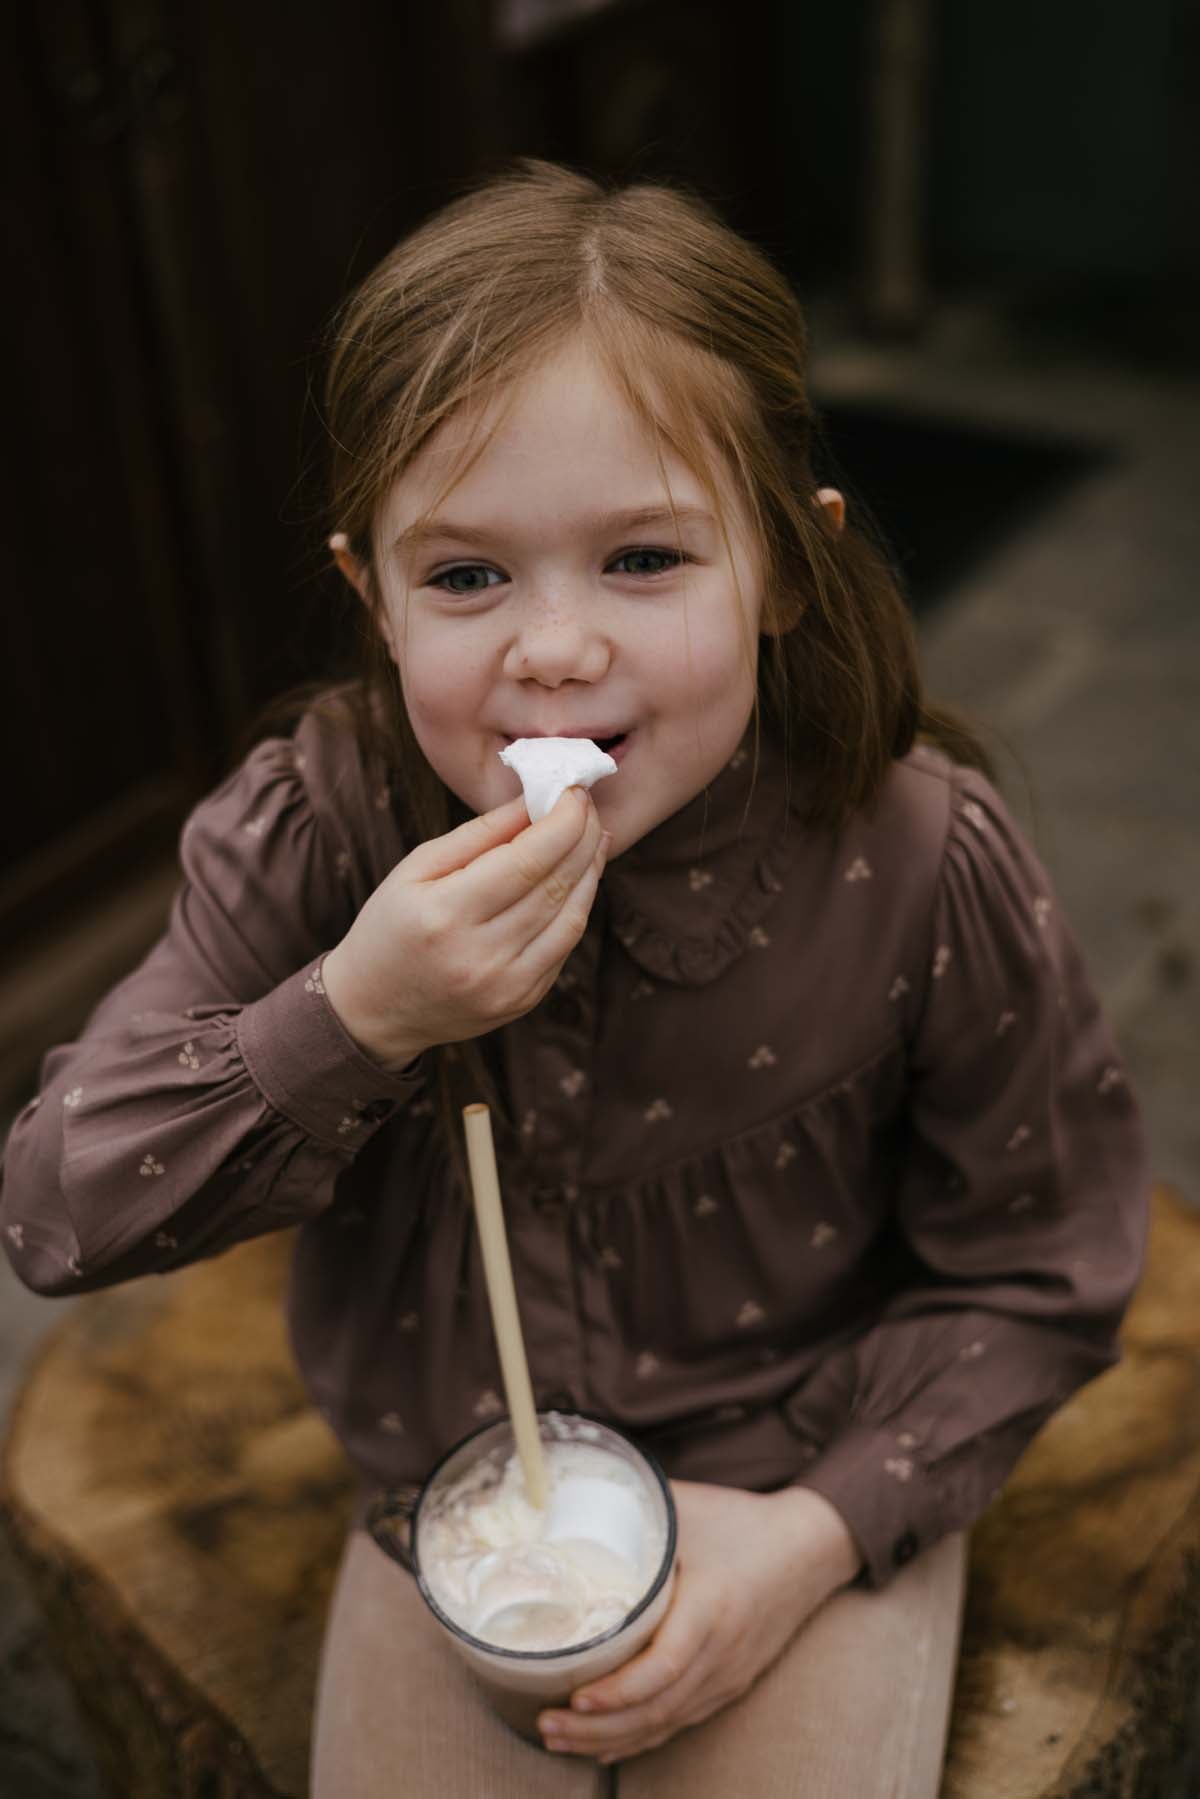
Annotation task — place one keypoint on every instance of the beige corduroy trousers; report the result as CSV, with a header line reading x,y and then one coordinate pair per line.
x,y
857,1704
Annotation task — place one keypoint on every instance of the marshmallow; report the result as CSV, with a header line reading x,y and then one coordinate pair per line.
x,y
521,1577
547,766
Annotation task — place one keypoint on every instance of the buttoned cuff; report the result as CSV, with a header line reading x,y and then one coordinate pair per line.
x,y
884,1497
310,1069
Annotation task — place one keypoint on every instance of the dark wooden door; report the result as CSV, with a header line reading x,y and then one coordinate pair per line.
x,y
190,189
193,186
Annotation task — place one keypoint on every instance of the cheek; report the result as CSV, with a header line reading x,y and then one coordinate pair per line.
x,y
713,670
713,638
443,682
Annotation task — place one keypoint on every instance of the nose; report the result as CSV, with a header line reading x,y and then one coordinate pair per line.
x,y
557,639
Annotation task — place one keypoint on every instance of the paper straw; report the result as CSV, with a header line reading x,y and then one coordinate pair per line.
x,y
502,1297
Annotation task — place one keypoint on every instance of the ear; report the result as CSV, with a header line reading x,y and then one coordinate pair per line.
x,y
349,564
834,503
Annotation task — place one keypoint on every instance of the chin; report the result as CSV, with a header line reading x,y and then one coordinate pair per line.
x,y
627,833
482,790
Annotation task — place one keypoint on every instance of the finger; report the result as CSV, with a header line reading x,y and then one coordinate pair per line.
x,y
441,856
673,1649
624,1732
533,860
536,966
522,924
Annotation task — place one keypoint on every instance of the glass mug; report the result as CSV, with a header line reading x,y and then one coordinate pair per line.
x,y
520,1683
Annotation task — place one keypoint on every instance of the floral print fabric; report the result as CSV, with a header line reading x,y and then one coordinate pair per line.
x,y
823,1165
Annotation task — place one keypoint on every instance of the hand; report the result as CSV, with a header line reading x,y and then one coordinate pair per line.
x,y
753,1567
469,930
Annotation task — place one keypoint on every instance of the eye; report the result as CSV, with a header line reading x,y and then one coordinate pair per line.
x,y
462,568
672,558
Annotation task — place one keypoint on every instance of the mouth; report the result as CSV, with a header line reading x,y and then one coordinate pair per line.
x,y
613,743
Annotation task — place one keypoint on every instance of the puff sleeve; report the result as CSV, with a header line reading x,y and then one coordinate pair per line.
x,y
214,1094
1022,1203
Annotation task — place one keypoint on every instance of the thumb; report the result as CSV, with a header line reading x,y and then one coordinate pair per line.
x,y
442,855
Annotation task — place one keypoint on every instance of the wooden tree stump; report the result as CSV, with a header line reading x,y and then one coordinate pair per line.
x,y
1081,1644
180,1507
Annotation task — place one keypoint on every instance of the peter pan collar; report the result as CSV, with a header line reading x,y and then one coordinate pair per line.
x,y
685,901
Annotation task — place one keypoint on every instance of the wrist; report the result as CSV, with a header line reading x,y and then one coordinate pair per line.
x,y
376,1038
819,1532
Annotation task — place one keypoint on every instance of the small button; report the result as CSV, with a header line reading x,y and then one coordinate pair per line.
x,y
904,1548
564,1009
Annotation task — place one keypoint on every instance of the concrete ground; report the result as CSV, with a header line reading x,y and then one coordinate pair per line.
x,y
1077,646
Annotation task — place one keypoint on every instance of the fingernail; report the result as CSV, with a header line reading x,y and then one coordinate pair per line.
x,y
582,1705
606,844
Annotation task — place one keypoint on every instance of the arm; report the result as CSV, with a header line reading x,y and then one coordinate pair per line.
x,y
214,1094
220,1090
1022,1208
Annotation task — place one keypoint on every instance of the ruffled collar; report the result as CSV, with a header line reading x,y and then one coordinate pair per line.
x,y
684,901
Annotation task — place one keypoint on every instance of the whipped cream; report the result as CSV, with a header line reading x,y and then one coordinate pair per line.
x,y
510,1575
547,766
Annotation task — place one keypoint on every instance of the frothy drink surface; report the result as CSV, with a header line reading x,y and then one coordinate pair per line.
x,y
523,1578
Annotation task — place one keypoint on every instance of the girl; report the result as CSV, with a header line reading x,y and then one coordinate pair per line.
x,y
822,1177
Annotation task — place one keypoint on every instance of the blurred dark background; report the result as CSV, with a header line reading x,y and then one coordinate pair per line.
x,y
196,186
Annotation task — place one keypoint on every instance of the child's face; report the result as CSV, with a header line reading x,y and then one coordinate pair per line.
x,y
548,621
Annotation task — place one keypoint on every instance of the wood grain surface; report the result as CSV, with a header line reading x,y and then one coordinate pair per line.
x,y
1080,1656
180,1508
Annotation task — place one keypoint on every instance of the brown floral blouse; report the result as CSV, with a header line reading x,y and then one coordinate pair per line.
x,y
822,1165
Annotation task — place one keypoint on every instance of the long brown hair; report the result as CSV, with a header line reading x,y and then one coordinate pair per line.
x,y
706,342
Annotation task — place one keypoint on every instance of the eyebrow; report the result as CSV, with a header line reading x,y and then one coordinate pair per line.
x,y
447,529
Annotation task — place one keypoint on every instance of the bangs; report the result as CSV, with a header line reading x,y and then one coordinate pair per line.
x,y
684,397
701,408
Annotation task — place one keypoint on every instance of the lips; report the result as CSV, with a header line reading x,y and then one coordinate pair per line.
x,y
613,743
